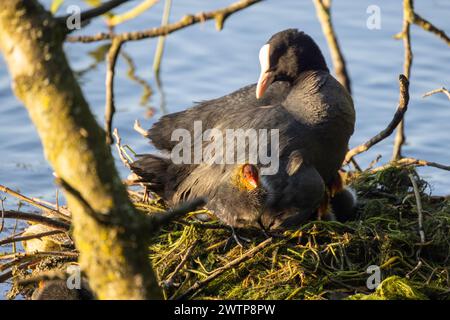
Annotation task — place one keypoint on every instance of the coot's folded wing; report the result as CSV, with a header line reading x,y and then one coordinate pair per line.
x,y
212,112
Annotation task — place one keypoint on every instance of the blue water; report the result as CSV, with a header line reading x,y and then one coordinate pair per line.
x,y
200,63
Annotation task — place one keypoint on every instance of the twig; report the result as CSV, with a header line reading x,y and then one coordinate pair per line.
x,y
95,12
398,116
59,225
130,14
408,57
220,15
6,276
416,19
406,162
55,206
169,281
70,254
29,237
34,203
104,218
2,224
122,153
137,127
20,258
44,276
419,208
110,72
420,221
197,286
158,220
161,40
323,9
443,90
373,162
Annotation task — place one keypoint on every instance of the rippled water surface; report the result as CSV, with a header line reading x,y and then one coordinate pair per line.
x,y
200,63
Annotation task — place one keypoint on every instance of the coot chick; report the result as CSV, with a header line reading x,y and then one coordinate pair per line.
x,y
295,95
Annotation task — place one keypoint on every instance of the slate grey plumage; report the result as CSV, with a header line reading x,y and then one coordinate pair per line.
x,y
315,118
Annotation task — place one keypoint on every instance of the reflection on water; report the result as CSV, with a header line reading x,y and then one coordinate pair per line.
x,y
200,63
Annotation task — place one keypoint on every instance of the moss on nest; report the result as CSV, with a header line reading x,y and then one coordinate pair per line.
x,y
321,260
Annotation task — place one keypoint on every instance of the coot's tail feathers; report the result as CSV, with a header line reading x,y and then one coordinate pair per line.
x,y
152,169
344,205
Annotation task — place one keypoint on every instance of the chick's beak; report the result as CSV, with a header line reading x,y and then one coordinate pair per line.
x,y
252,183
266,76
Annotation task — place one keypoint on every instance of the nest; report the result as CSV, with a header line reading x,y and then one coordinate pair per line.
x,y
320,260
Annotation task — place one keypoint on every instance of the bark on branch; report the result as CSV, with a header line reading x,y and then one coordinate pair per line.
x,y
398,116
323,9
114,257
110,107
408,58
95,12
219,15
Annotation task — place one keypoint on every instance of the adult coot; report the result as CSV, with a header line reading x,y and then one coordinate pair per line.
x,y
313,116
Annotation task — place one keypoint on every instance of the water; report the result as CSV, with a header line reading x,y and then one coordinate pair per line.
x,y
199,63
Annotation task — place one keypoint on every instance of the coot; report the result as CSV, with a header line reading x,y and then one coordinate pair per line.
x,y
313,116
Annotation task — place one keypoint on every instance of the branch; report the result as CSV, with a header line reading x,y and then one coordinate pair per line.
x,y
200,284
398,116
122,154
44,276
419,210
169,281
323,9
420,223
158,220
110,72
219,15
443,90
138,128
408,10
428,26
33,202
56,224
95,12
161,40
29,237
130,14
406,162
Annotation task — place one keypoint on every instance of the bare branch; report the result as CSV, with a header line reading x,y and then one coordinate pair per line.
x,y
120,150
219,15
398,116
130,14
408,10
56,224
158,220
419,209
428,26
29,237
323,8
138,128
443,90
407,162
95,12
196,287
34,203
169,281
161,40
110,72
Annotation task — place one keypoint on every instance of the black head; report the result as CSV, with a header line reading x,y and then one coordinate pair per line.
x,y
285,56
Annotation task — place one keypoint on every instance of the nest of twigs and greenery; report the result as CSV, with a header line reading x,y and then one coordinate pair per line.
x,y
321,260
